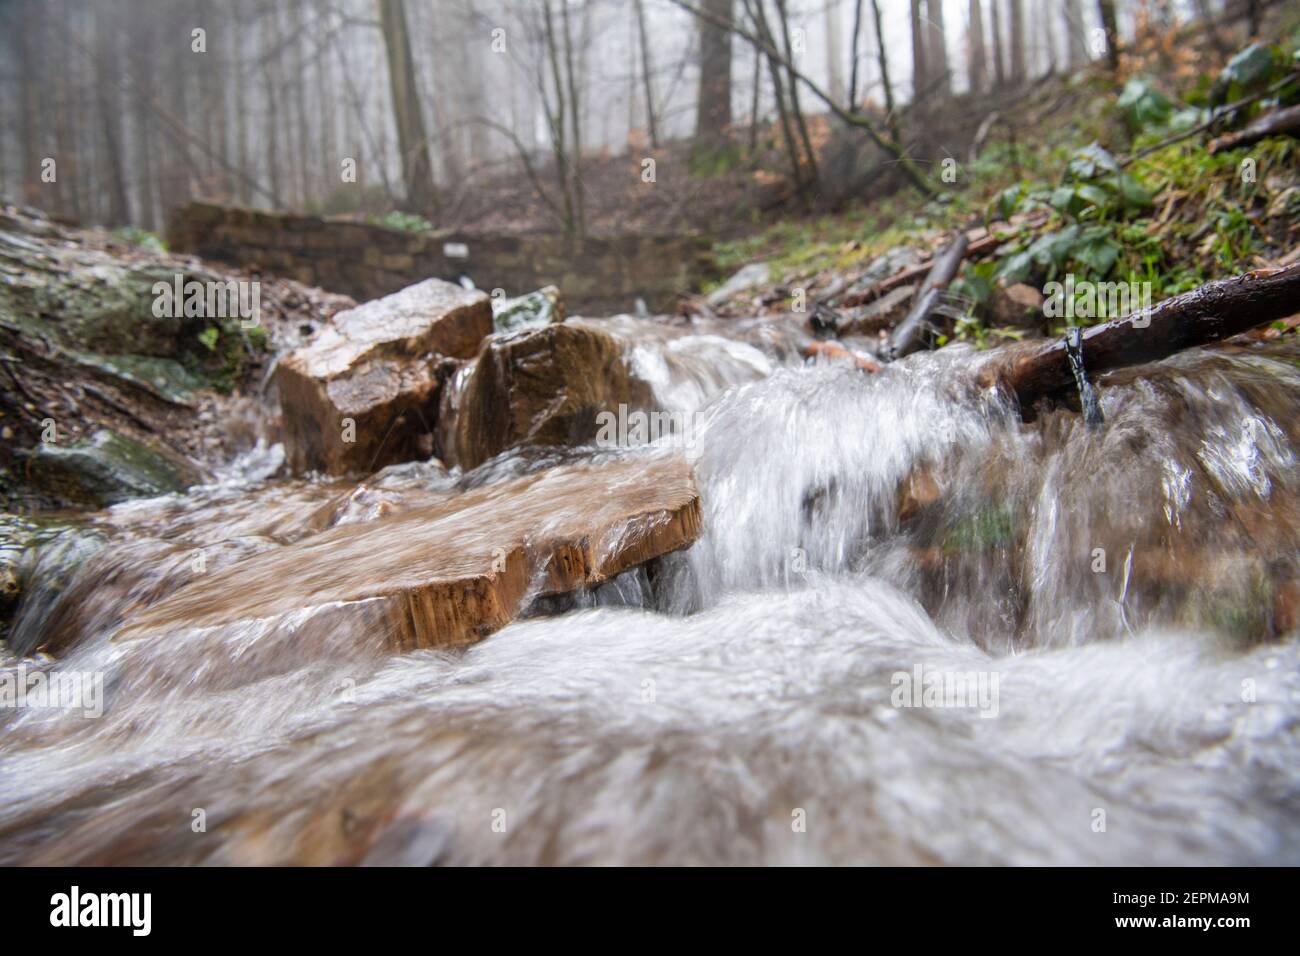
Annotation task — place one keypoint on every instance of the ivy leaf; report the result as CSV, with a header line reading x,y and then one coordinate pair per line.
x,y
1251,69
1016,268
209,337
1097,256
1143,104
1089,162
1053,249
1005,202
1133,193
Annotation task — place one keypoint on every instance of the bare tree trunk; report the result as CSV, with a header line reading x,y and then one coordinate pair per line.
x,y
978,60
1110,23
1076,45
800,122
852,95
1017,41
834,69
999,62
417,172
241,114
936,48
890,109
329,153
26,38
918,53
271,131
298,101
647,78
142,69
1049,45
557,121
755,95
713,112
575,114
110,115
778,92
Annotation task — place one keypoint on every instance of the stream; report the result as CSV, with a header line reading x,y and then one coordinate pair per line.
x,y
1104,616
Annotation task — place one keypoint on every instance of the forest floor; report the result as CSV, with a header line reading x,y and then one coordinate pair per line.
x,y
1082,183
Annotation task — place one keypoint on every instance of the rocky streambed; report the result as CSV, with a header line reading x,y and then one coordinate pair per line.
x,y
422,604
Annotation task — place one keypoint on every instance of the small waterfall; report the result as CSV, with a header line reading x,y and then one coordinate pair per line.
x,y
1117,591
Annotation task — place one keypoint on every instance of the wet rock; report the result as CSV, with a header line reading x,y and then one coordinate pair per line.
x,y
543,387
882,267
41,559
452,573
751,276
364,393
542,307
105,469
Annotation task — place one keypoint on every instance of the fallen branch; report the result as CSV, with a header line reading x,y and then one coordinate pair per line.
x,y
1285,122
834,351
974,250
909,335
1215,311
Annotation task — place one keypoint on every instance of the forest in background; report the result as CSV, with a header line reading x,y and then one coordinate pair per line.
x,y
437,108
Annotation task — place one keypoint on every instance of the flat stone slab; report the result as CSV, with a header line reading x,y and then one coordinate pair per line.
x,y
451,573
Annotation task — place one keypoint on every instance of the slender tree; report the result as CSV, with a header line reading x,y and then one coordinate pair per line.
x,y
936,48
1017,41
995,42
713,110
977,60
918,53
412,142
1110,23
647,78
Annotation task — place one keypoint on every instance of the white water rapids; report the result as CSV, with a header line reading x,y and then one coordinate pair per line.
x,y
741,703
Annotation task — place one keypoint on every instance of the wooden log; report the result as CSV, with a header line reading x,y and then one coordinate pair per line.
x,y
909,335
1282,122
974,250
1215,311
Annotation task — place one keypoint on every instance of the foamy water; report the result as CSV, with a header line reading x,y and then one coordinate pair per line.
x,y
1107,598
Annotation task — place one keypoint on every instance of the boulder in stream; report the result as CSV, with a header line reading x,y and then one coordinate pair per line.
x,y
364,393
451,573
543,386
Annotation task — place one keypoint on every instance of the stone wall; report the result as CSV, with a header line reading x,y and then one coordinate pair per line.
x,y
597,275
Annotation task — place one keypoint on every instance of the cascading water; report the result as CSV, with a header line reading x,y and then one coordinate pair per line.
x,y
1112,594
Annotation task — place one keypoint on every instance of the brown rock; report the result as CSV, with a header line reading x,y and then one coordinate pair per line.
x,y
377,366
543,387
1019,305
451,573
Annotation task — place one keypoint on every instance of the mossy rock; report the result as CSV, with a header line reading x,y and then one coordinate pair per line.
x,y
87,303
528,311
104,470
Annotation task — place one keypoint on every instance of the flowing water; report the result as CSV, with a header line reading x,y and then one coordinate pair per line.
x,y
1108,613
